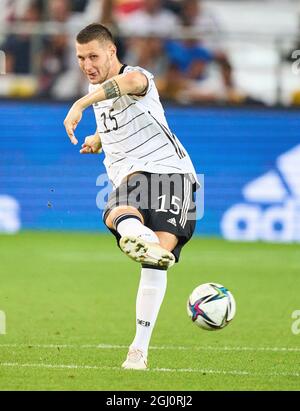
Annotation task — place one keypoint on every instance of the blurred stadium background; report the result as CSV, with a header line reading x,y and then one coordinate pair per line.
x,y
228,74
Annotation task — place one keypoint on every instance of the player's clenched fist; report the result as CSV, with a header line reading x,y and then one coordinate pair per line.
x,y
92,145
71,121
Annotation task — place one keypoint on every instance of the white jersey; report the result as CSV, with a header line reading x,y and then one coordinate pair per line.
x,y
135,135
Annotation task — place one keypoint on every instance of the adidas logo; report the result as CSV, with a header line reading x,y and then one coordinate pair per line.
x,y
172,221
271,211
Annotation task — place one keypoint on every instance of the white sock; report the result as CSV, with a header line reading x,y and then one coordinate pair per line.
x,y
132,226
150,296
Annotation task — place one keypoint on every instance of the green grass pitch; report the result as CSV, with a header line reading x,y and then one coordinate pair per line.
x,y
69,301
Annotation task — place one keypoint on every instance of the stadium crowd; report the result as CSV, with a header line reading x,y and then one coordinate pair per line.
x,y
179,41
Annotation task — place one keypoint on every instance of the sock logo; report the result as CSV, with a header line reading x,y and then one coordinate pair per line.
x,y
143,323
271,211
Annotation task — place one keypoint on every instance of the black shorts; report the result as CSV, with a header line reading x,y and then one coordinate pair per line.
x,y
166,202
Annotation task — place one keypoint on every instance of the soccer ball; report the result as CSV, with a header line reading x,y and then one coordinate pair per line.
x,y
211,306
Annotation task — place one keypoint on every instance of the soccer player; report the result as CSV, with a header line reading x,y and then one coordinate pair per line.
x,y
151,210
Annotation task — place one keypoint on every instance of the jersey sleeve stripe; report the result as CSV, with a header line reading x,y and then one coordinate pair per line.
x,y
120,159
123,125
150,138
124,109
164,158
176,147
148,154
131,135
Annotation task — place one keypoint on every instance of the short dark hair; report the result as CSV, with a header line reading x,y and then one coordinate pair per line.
x,y
92,32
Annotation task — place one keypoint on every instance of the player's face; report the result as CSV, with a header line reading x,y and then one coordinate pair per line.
x,y
95,60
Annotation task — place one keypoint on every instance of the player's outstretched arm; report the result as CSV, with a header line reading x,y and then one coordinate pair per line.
x,y
129,83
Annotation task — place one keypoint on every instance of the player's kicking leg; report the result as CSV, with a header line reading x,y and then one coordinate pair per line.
x,y
151,292
155,246
152,250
